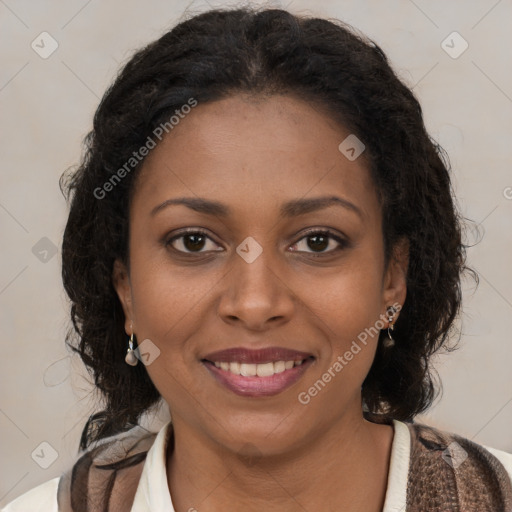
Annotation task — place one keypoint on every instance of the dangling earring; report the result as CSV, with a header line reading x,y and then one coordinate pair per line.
x,y
130,357
389,341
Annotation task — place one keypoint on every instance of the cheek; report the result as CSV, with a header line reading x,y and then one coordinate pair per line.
x,y
348,313
350,297
164,310
164,296
160,300
170,307
348,304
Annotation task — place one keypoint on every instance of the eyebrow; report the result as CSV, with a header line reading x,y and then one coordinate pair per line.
x,y
289,209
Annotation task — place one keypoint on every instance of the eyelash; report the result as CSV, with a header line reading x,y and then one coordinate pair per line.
x,y
314,231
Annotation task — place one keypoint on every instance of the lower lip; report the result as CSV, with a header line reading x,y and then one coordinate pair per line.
x,y
258,386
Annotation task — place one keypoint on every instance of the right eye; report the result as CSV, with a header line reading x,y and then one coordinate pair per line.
x,y
189,241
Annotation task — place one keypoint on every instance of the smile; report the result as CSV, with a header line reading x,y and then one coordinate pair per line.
x,y
260,370
258,380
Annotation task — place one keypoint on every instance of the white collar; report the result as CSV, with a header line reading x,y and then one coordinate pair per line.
x,y
398,474
153,491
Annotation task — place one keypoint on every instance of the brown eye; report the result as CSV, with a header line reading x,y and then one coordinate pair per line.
x,y
320,240
192,241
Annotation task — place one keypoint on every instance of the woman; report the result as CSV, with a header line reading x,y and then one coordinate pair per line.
x,y
263,234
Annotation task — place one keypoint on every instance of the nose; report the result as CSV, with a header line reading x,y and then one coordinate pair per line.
x,y
255,294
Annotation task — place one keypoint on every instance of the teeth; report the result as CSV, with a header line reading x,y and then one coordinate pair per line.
x,y
265,370
249,370
234,368
261,370
279,367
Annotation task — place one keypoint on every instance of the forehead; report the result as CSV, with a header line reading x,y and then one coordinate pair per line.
x,y
252,151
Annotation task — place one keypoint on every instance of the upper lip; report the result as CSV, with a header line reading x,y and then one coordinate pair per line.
x,y
259,356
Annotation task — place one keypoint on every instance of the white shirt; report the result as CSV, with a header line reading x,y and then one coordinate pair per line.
x,y
153,494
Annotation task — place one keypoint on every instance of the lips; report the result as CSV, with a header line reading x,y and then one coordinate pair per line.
x,y
257,373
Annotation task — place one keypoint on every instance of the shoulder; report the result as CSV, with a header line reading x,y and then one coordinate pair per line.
x,y
42,498
108,472
504,457
456,449
93,476
446,466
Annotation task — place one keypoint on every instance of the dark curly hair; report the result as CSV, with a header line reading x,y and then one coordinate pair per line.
x,y
261,51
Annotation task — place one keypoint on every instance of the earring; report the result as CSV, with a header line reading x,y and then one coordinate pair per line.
x,y
130,357
389,341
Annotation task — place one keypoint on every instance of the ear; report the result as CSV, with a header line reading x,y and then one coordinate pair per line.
x,y
395,279
122,285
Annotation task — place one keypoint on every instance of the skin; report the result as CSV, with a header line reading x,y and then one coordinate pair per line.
x,y
268,453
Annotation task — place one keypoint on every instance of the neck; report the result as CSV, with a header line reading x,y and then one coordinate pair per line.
x,y
344,467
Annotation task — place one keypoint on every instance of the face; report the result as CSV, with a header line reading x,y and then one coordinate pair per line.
x,y
267,266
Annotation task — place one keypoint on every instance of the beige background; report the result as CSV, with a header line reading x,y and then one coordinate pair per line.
x,y
47,108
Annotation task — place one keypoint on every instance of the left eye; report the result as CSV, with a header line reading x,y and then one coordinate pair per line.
x,y
319,241
192,241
